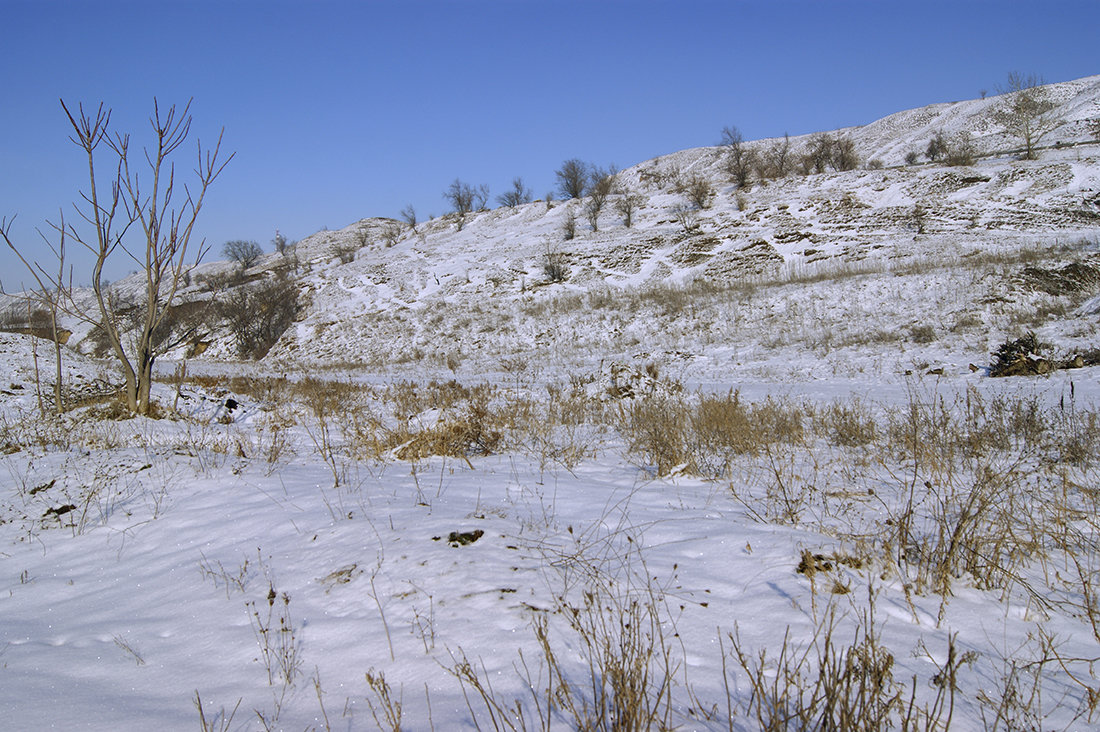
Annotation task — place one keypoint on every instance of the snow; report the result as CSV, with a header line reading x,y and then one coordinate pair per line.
x,y
156,585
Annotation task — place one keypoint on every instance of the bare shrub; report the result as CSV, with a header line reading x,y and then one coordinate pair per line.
x,y
961,151
519,195
569,225
937,147
740,160
465,198
258,315
555,265
626,204
777,160
345,251
1027,112
408,215
244,253
601,185
843,688
687,217
699,191
572,178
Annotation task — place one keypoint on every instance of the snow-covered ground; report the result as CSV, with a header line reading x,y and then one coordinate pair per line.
x,y
276,546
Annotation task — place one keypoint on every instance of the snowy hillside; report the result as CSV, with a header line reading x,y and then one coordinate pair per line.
x,y
447,295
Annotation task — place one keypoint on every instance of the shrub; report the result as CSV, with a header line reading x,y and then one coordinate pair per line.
x,y
244,253
572,178
699,192
937,147
258,315
465,198
911,157
627,204
555,266
961,150
519,195
922,334
601,186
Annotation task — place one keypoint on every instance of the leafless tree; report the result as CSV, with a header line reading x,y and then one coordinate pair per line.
x,y
937,147
777,160
844,154
602,185
569,224
244,253
820,153
151,204
740,159
465,198
627,203
572,178
699,191
519,195
52,292
408,215
1027,111
961,149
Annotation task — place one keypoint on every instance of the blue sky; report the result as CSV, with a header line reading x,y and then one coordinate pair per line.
x,y
341,110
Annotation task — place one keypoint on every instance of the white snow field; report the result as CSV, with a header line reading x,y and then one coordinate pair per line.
x,y
742,467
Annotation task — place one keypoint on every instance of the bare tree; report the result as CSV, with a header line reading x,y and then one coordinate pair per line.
x,y
408,215
52,293
519,195
601,186
937,147
820,153
961,149
627,204
777,161
1027,112
740,159
244,253
569,224
572,178
464,199
844,154
165,225
699,191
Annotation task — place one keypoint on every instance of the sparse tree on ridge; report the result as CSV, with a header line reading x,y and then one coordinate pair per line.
x,y
519,195
572,178
1027,112
464,199
740,159
244,253
408,215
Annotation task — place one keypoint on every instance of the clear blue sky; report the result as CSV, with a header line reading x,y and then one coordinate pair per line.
x,y
339,110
